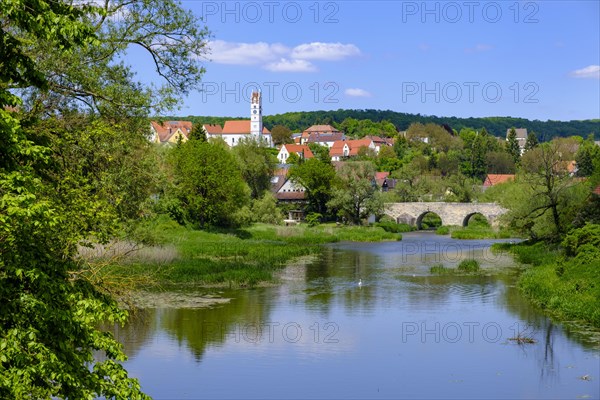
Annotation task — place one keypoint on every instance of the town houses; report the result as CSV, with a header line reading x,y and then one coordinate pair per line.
x,y
233,132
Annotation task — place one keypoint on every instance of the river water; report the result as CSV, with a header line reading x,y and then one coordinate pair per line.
x,y
402,333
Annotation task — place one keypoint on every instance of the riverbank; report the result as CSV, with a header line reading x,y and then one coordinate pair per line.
x,y
567,287
243,257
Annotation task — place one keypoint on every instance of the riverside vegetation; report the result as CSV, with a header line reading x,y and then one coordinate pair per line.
x,y
226,257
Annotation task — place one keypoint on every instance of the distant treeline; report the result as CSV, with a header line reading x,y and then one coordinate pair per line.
x,y
298,121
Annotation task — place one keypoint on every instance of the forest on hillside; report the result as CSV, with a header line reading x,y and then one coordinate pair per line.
x,y
497,126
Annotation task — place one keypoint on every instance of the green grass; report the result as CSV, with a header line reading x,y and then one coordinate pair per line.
x,y
479,232
439,269
466,267
469,266
241,257
391,226
568,288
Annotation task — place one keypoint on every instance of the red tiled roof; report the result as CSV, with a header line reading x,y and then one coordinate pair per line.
x,y
355,145
337,150
299,149
168,128
381,175
239,127
494,179
213,129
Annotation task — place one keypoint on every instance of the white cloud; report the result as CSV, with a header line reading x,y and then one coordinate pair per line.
x,y
356,92
277,57
324,51
223,52
285,65
478,48
591,71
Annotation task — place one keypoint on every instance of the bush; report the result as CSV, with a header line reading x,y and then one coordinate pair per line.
x,y
442,230
589,234
313,219
439,269
469,265
265,210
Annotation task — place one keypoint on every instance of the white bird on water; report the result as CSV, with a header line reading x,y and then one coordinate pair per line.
x,y
359,282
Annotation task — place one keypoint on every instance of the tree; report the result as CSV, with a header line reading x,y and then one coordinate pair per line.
x,y
61,187
552,187
256,164
474,165
320,151
281,134
208,183
500,162
512,146
198,133
532,141
356,195
586,154
317,177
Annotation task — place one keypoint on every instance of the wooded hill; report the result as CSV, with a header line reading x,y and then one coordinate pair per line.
x,y
298,121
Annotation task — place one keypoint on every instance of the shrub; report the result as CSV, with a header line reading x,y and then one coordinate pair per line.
x,y
469,265
442,230
313,219
589,234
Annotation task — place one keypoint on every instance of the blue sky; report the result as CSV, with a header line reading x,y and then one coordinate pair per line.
x,y
536,60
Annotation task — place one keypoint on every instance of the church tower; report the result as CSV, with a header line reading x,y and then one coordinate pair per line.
x,y
256,125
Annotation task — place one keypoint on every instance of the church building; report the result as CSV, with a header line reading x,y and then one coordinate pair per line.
x,y
234,131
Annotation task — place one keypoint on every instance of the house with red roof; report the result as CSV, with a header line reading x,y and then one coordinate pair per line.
x,y
317,131
169,132
302,150
496,179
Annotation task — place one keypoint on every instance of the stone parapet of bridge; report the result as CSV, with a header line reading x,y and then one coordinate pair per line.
x,y
450,213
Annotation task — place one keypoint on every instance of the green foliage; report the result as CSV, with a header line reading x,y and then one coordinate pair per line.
x,y
356,195
431,221
532,141
585,156
317,177
265,210
313,219
568,288
551,197
281,135
391,226
297,121
469,266
512,146
576,238
256,165
442,230
208,183
320,151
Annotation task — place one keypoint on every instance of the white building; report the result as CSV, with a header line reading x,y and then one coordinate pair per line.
x,y
234,131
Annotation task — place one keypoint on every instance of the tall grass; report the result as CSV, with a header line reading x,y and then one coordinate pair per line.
x,y
241,257
568,288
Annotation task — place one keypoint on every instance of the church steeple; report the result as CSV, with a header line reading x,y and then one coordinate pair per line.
x,y
256,125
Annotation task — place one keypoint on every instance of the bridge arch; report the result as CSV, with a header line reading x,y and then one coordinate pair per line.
x,y
419,220
473,214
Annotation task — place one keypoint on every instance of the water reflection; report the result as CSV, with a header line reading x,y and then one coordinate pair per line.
x,y
402,333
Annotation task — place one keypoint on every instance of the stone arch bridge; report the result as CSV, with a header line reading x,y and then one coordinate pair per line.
x,y
450,213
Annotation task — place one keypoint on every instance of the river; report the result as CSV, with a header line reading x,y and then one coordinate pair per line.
x,y
401,333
